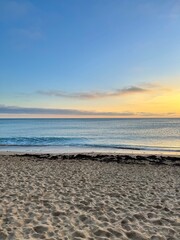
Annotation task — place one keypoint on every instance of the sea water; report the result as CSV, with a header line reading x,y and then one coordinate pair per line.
x,y
91,135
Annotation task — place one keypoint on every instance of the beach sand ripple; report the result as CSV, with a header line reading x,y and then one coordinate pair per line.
x,y
43,198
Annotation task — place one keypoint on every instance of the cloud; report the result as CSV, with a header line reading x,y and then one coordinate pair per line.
x,y
95,95
22,34
150,114
144,88
156,87
14,9
169,10
8,110
4,109
24,38
174,12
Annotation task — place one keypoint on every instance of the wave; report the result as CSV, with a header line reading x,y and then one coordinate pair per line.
x,y
39,141
135,147
78,142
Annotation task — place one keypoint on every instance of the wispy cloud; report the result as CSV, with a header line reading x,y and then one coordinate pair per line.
x,y
14,9
150,114
22,38
174,11
4,109
95,95
26,34
156,87
168,9
145,88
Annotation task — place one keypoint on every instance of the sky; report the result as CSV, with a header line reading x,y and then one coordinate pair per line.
x,y
98,58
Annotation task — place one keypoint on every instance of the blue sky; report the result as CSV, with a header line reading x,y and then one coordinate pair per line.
x,y
53,53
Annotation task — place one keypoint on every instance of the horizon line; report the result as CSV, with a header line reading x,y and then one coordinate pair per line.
x,y
89,118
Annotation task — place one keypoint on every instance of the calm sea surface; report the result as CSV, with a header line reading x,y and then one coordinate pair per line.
x,y
91,135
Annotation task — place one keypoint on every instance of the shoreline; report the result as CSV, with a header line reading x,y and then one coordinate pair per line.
x,y
78,149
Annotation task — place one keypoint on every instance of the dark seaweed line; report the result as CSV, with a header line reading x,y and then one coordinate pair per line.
x,y
125,159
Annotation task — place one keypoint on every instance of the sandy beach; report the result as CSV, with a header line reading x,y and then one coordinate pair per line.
x,y
89,197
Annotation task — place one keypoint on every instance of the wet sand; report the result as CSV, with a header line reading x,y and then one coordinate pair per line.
x,y
89,197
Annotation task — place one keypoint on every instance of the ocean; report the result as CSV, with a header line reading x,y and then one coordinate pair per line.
x,y
90,135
